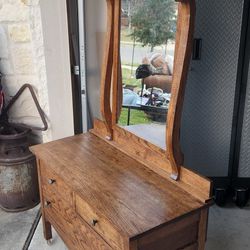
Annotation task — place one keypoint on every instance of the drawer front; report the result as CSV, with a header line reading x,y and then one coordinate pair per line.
x,y
56,194
53,185
191,247
53,202
75,233
59,210
182,234
100,224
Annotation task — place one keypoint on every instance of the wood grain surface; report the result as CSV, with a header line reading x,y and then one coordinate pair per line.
x,y
107,69
58,209
130,196
183,51
154,158
116,78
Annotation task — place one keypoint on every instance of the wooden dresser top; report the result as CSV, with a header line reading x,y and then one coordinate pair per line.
x,y
131,196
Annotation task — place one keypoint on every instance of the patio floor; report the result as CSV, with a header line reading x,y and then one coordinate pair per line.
x,y
15,228
38,242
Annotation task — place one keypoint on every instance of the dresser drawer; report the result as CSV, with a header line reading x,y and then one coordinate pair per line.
x,y
76,233
52,185
59,210
181,235
101,225
56,194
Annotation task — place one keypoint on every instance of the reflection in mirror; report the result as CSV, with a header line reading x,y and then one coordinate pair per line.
x,y
147,47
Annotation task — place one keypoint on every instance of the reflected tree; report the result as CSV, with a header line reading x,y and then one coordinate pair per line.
x,y
153,21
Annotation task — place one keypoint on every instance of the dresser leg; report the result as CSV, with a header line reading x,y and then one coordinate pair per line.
x,y
202,229
47,230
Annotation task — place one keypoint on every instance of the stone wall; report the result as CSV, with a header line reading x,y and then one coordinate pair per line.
x,y
22,58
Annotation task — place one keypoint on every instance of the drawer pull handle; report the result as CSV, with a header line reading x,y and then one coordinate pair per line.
x,y
51,181
94,222
47,204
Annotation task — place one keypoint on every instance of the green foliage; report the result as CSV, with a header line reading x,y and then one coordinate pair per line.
x,y
136,117
154,22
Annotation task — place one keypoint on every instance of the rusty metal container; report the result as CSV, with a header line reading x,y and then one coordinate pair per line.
x,y
18,172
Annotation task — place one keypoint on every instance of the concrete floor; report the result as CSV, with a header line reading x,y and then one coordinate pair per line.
x,y
229,229
15,227
38,241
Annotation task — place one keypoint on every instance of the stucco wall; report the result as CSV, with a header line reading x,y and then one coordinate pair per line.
x,y
23,60
58,68
95,26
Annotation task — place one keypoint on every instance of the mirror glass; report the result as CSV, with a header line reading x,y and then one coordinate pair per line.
x,y
148,29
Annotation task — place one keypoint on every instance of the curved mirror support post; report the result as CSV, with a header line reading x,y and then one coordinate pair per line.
x,y
184,37
116,80
111,71
107,68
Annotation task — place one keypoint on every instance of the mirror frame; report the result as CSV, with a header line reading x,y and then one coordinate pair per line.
x,y
111,76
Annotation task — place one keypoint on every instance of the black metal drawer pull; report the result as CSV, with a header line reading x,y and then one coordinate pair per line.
x,y
94,222
51,181
47,204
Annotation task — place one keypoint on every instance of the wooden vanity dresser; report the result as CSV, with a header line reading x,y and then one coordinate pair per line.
x,y
97,197
109,189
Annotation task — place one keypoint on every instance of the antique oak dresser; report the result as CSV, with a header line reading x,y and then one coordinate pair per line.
x,y
109,189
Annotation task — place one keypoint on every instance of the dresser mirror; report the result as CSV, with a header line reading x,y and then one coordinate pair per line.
x,y
147,46
112,91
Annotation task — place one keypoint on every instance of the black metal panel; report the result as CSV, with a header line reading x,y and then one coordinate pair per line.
x,y
72,11
242,154
240,94
210,93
